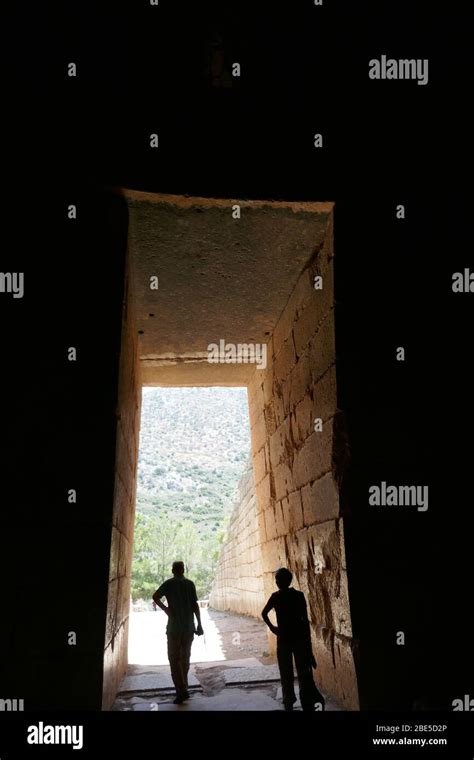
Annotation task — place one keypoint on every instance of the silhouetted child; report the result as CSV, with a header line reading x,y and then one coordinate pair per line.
x,y
293,640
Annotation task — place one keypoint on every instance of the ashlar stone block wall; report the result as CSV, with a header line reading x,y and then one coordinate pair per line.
x,y
298,466
127,437
238,585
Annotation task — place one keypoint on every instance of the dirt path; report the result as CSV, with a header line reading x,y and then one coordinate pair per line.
x,y
227,636
242,636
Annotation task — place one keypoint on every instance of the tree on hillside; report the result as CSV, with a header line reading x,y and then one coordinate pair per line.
x,y
158,543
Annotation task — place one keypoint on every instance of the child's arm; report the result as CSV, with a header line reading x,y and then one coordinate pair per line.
x,y
269,606
307,632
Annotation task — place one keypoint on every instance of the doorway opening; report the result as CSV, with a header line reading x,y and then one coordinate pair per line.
x,y
194,450
240,294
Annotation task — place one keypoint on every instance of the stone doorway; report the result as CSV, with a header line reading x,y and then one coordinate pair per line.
x,y
254,273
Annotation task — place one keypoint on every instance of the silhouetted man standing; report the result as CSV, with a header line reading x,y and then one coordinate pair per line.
x,y
182,601
293,640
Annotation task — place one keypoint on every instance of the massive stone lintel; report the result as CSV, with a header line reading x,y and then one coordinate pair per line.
x,y
218,277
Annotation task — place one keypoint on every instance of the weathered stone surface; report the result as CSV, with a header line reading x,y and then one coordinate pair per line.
x,y
283,480
335,672
274,555
319,402
264,493
238,585
322,348
320,500
114,554
270,419
258,432
309,319
326,579
111,620
198,254
255,391
300,296
281,445
125,556
314,458
270,523
282,517
297,520
295,509
300,380
128,420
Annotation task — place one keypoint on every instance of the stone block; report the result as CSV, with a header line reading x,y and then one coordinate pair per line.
x,y
320,401
307,323
123,599
320,500
301,294
335,673
270,419
295,511
114,554
255,390
322,348
259,465
302,420
258,433
283,478
314,459
270,523
325,395
274,556
125,556
268,385
325,297
263,493
282,517
327,579
111,618
280,445
300,379
284,360
281,405
124,463
314,312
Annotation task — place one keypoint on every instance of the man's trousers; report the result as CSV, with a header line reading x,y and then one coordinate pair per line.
x,y
179,653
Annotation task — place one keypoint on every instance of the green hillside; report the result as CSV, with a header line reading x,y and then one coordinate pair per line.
x,y
194,443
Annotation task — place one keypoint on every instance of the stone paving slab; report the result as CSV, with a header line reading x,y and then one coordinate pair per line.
x,y
246,662
152,681
261,689
235,700
252,674
329,705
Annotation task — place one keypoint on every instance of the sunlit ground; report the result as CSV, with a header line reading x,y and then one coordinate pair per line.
x,y
147,640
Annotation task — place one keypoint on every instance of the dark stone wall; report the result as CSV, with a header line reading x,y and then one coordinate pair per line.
x,y
58,433
408,571
406,423
123,521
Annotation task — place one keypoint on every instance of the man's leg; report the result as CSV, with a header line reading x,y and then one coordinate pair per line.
x,y
285,665
186,656
175,647
173,650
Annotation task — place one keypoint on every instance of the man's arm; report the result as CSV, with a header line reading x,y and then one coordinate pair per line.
x,y
269,606
157,599
197,612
